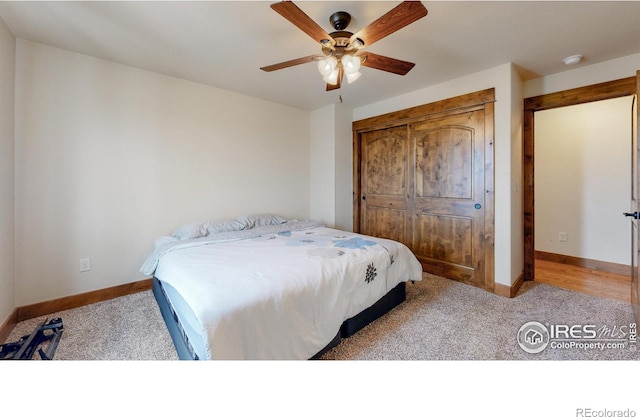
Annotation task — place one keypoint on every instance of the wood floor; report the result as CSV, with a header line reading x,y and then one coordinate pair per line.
x,y
584,280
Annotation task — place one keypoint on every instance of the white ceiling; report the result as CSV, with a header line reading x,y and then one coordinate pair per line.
x,y
224,43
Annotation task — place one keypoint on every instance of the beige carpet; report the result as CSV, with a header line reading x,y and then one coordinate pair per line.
x,y
441,320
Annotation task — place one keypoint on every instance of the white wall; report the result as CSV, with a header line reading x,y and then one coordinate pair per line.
x,y
583,180
108,157
322,166
509,261
7,214
332,166
344,168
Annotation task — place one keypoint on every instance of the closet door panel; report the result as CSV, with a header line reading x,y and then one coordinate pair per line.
x,y
444,165
446,238
385,183
386,223
448,203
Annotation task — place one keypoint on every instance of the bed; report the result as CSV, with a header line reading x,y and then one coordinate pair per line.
x,y
263,287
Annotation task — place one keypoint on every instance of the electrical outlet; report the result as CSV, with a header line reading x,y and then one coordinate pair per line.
x,y
563,237
85,264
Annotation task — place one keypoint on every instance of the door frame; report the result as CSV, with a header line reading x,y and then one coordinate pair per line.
x,y
596,92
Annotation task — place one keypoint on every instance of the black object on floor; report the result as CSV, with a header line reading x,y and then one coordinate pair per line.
x,y
27,345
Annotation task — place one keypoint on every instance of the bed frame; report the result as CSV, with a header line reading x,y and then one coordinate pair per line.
x,y
183,347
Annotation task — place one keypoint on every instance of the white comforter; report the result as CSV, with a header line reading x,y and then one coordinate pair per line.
x,y
283,292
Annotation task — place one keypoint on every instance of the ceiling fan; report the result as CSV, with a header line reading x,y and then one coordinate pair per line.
x,y
342,51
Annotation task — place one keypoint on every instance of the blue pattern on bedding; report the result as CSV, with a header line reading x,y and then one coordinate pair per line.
x,y
311,238
325,246
354,243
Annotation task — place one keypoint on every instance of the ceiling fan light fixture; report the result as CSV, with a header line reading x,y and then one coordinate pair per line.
x,y
332,78
352,76
327,65
351,64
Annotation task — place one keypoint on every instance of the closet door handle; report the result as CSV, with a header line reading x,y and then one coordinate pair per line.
x,y
635,215
364,197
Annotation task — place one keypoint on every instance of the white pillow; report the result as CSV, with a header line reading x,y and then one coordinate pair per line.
x,y
257,220
190,231
223,225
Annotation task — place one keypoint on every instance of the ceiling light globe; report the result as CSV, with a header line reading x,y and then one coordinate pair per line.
x,y
350,63
327,65
352,76
332,78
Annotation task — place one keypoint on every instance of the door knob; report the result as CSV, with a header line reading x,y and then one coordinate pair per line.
x,y
635,215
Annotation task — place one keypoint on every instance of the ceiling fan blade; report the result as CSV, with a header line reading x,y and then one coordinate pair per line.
x,y
293,14
385,63
291,63
337,85
400,16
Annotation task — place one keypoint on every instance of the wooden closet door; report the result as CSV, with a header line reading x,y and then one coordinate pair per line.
x,y
448,199
385,183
